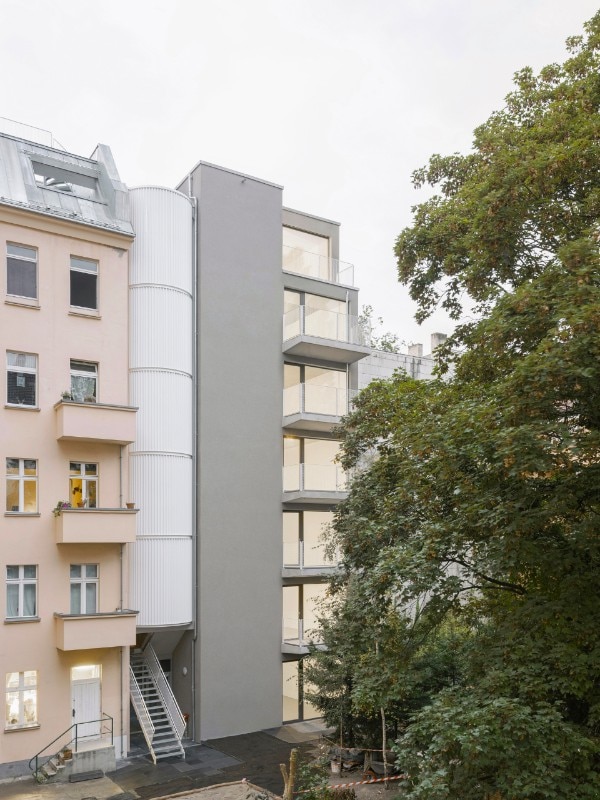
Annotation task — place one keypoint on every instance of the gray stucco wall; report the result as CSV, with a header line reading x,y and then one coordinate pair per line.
x,y
240,306
381,364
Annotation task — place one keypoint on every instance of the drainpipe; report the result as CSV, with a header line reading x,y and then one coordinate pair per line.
x,y
121,650
195,470
121,476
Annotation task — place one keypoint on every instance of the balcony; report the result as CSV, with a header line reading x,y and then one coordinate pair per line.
x,y
95,422
313,407
313,265
321,484
294,639
94,631
95,526
318,333
302,559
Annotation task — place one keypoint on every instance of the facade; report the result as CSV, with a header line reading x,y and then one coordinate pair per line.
x,y
206,341
66,423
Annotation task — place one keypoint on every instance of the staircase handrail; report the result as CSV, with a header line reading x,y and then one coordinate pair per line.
x,y
141,708
162,684
74,738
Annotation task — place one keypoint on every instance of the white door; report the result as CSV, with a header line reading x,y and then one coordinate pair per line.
x,y
85,694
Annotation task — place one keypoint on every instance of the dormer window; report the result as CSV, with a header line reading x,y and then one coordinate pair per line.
x,y
50,176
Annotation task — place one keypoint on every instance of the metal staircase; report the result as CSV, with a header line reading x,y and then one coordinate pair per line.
x,y
154,703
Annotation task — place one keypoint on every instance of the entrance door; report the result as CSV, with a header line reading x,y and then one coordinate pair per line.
x,y
85,694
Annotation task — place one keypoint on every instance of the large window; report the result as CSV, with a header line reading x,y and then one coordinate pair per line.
x,y
21,270
83,484
84,588
314,315
84,283
314,390
306,254
21,591
21,699
21,485
21,379
309,465
303,539
84,381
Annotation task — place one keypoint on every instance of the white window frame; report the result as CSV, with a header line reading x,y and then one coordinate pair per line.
x,y
14,355
86,480
91,372
21,690
84,580
22,479
15,256
79,264
21,582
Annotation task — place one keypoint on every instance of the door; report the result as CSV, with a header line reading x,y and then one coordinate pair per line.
x,y
86,701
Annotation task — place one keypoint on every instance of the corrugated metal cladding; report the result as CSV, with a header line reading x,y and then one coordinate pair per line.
x,y
161,386
162,602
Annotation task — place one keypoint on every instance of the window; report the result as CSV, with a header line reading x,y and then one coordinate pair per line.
x,y
84,381
83,484
21,699
306,254
84,280
84,588
314,390
21,373
21,270
310,465
21,591
61,179
21,485
314,315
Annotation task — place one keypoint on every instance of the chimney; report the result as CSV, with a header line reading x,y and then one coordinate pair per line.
x,y
415,349
437,339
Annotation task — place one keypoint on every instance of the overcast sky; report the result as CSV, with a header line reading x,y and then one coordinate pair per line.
x,y
337,100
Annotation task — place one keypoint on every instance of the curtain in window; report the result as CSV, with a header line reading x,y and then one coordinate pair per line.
x,y
29,600
82,387
12,600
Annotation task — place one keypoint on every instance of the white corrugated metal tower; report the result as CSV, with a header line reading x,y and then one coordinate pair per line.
x,y
161,385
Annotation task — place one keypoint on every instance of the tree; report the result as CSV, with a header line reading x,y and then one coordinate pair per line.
x,y
388,342
482,504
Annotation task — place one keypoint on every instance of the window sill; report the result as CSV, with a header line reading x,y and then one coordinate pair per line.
x,y
82,312
24,302
16,620
15,728
21,408
22,514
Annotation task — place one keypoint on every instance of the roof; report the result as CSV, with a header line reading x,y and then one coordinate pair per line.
x,y
55,183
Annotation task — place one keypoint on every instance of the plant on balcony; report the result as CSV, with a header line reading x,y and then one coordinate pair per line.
x,y
89,398
66,395
60,505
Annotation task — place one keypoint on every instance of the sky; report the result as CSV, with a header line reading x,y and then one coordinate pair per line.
x,y
336,100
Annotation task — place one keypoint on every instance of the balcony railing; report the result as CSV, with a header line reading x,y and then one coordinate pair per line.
x,y
324,324
95,526
294,633
307,398
314,478
305,555
95,422
314,265
91,631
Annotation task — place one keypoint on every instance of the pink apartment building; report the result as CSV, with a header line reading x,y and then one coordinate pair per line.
x,y
65,430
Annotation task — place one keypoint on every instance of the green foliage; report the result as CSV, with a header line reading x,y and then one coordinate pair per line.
x,y
312,783
387,341
468,605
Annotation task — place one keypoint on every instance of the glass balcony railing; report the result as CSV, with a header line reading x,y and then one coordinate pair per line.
x,y
318,266
324,324
314,477
306,555
295,632
306,398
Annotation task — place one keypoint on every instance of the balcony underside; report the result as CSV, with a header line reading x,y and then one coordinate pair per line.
x,y
306,421
314,347
314,497
299,648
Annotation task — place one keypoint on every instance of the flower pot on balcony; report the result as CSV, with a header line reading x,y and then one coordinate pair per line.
x,y
130,505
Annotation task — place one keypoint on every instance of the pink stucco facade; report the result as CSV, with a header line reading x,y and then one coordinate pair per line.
x,y
77,562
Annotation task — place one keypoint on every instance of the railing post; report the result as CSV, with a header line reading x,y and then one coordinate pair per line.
x,y
301,554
